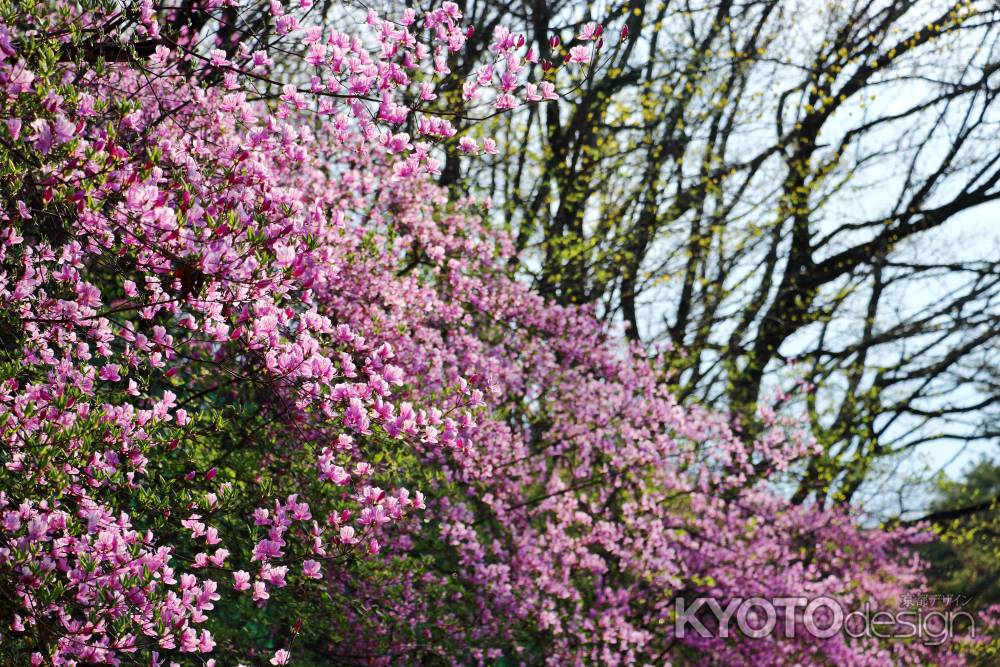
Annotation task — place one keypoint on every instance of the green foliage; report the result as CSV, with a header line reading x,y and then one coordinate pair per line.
x,y
965,559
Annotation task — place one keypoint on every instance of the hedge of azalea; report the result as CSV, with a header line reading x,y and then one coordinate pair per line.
x,y
270,395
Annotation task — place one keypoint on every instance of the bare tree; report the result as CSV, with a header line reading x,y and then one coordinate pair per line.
x,y
779,190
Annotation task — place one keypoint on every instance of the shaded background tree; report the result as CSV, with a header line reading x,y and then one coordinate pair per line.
x,y
966,557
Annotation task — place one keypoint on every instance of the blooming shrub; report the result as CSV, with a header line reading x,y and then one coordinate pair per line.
x,y
268,393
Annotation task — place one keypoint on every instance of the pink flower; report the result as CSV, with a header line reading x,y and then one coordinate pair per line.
x,y
206,642
313,35
590,31
265,550
506,101
373,516
260,61
427,92
20,79
189,640
42,138
316,54
260,591
218,58
311,569
241,580
63,130
291,96
548,90
469,90
281,657
468,145
579,54
274,575
356,417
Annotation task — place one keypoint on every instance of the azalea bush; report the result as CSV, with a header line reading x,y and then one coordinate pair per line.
x,y
269,395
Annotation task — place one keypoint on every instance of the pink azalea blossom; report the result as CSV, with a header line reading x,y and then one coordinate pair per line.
x,y
311,569
579,54
241,580
468,145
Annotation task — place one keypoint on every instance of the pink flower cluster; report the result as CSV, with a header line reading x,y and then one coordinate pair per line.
x,y
254,347
359,79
